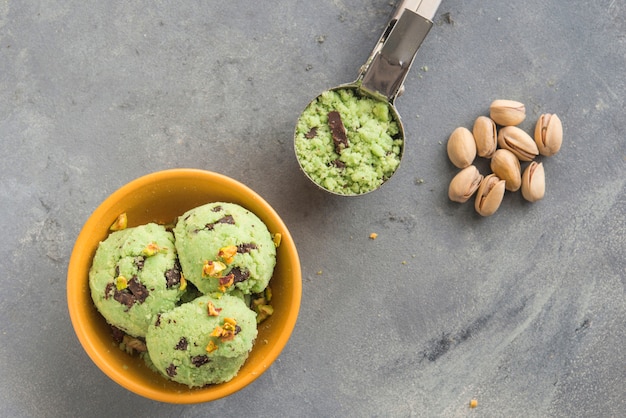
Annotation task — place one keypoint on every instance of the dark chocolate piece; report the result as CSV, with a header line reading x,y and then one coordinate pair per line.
x,y
182,344
200,360
108,290
227,219
124,297
118,334
338,131
172,276
312,133
134,292
239,275
339,164
139,291
171,370
139,262
246,247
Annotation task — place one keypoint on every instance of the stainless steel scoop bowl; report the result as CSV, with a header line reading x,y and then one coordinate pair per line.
x,y
382,76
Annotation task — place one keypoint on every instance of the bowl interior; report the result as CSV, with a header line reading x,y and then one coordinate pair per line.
x,y
161,197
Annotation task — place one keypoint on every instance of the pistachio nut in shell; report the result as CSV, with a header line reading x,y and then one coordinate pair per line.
x,y
534,182
464,184
489,195
485,134
518,142
506,166
548,134
507,112
461,147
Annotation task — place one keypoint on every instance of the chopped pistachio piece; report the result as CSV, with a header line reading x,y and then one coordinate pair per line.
x,y
211,347
228,253
263,312
217,331
212,310
212,268
152,249
277,238
121,283
120,223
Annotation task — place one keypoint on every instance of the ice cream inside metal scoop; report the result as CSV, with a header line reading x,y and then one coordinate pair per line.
x,y
350,139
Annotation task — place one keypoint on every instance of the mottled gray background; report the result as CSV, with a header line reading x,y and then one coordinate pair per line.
x,y
523,311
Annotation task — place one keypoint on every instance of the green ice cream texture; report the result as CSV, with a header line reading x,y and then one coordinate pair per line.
x,y
203,232
138,284
374,142
135,276
178,341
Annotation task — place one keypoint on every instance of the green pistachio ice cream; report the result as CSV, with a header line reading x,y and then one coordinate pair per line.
x,y
202,342
223,247
187,301
347,143
134,276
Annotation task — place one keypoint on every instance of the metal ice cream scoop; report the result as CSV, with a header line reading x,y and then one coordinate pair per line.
x,y
381,78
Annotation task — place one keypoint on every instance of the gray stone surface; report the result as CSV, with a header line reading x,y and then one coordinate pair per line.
x,y
523,311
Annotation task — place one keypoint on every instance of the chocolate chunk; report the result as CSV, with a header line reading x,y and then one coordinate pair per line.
x,y
338,131
108,290
157,323
200,360
172,276
217,208
139,291
139,262
246,247
134,292
182,344
312,133
239,275
118,334
124,297
339,164
171,370
237,329
227,219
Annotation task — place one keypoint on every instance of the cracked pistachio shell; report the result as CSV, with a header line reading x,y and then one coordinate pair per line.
x,y
489,195
507,112
506,166
518,142
534,182
464,184
461,147
548,134
485,135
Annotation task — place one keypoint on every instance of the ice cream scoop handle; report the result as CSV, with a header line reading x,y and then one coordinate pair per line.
x,y
388,65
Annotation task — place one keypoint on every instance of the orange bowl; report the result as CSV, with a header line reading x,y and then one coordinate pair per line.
x,y
161,197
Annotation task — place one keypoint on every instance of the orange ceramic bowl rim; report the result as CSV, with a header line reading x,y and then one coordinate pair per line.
x,y
145,200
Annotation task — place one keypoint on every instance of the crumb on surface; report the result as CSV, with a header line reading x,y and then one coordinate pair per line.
x,y
373,235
